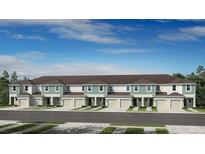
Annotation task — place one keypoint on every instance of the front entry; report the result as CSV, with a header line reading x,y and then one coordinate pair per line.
x,y
90,101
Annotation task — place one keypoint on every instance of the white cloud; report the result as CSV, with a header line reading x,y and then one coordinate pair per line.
x,y
124,51
31,69
31,55
28,37
83,30
194,31
177,37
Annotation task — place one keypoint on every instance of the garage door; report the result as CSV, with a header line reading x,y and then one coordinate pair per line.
x,y
79,103
163,105
175,105
68,103
113,103
36,102
23,103
124,103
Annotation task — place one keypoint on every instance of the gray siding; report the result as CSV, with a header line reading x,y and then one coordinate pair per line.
x,y
143,90
52,90
193,89
95,89
17,89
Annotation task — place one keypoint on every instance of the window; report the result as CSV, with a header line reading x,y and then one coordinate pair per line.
x,y
136,88
89,88
149,88
111,88
68,88
188,88
83,88
128,88
26,88
57,89
174,87
158,88
14,88
101,88
46,88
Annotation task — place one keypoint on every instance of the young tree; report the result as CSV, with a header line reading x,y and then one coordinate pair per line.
x,y
4,88
14,77
200,73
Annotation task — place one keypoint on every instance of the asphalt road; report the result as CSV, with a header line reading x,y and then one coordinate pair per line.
x,y
106,117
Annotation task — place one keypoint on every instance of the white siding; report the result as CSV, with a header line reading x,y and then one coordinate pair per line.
x,y
119,88
168,89
76,88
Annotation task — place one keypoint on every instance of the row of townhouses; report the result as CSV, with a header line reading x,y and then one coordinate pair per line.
x,y
163,91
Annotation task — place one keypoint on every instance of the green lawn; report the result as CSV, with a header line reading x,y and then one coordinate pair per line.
x,y
17,128
135,124
134,131
130,108
6,125
142,108
186,109
154,109
79,108
98,109
162,131
41,129
200,109
108,130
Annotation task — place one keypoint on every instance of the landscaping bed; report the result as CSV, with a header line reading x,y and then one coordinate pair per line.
x,y
108,130
134,131
17,128
41,129
142,109
162,131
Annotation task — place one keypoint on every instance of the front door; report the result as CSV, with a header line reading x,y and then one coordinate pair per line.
x,y
89,101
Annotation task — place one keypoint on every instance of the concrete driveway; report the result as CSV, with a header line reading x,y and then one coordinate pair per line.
x,y
176,129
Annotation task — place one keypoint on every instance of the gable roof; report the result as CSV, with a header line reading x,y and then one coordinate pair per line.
x,y
110,79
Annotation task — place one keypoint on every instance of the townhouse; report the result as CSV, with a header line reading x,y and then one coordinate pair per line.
x,y
163,91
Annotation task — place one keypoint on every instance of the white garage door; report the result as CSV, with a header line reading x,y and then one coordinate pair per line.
x,y
68,103
124,103
113,103
36,102
79,103
23,103
175,105
163,105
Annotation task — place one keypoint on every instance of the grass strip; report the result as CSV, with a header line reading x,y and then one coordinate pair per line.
x,y
18,128
187,110
135,124
154,109
200,109
108,130
142,109
130,108
6,125
162,131
41,129
134,131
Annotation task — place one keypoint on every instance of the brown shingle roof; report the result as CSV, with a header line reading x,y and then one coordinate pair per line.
x,y
73,93
175,94
119,93
26,82
55,81
95,82
161,93
142,81
109,79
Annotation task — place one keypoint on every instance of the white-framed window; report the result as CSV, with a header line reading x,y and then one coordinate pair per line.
x,y
128,88
110,88
174,87
14,88
149,88
57,88
136,88
83,88
188,88
101,88
89,88
158,87
46,88
68,88
26,88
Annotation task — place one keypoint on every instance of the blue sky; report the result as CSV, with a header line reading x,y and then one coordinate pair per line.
x,y
66,47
